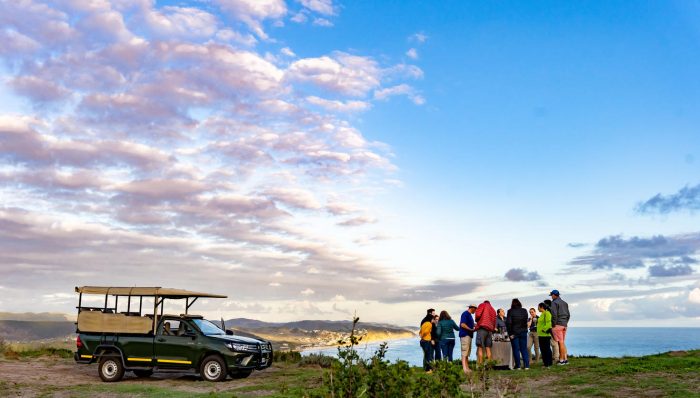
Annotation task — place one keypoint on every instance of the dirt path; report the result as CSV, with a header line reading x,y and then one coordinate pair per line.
x,y
58,376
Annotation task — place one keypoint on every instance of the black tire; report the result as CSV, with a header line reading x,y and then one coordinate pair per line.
x,y
143,373
111,368
240,373
213,368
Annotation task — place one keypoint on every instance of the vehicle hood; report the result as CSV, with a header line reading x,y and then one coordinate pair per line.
x,y
237,339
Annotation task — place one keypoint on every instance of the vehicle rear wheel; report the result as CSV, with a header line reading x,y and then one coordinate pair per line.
x,y
111,369
213,368
143,373
240,373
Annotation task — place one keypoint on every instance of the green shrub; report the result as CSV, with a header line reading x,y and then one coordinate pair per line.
x,y
321,360
350,376
287,356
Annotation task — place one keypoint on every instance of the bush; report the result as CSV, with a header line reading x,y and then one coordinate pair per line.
x,y
321,360
350,376
287,356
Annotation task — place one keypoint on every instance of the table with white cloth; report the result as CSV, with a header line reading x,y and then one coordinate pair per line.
x,y
502,353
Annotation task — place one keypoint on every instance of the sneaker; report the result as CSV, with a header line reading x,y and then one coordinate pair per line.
x,y
561,363
517,369
527,368
566,362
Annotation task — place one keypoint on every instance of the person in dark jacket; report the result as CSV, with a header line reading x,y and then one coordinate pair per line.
x,y
516,324
446,331
560,322
437,354
429,316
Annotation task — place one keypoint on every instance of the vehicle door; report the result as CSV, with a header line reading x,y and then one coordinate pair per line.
x,y
138,350
175,344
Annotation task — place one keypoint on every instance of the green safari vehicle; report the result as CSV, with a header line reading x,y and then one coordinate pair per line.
x,y
156,342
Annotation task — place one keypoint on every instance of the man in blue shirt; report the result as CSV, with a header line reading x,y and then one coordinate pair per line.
x,y
466,333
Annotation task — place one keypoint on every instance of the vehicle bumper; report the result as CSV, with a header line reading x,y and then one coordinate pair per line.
x,y
82,358
249,360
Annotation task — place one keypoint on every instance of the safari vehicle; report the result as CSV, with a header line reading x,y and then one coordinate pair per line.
x,y
128,340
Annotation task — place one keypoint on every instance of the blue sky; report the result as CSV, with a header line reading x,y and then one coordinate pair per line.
x,y
314,157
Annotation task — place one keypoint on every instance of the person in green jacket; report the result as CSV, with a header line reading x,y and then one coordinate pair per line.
x,y
544,334
446,333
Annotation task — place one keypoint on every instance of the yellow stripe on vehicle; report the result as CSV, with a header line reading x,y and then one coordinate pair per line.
x,y
174,361
86,356
133,359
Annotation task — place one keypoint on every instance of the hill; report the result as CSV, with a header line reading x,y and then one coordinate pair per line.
x,y
34,316
285,335
314,333
35,330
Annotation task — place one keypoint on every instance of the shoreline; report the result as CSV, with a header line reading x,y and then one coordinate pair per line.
x,y
364,341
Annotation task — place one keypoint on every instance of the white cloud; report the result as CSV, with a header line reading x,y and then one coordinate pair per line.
x,y
342,73
694,296
401,89
338,106
419,37
412,53
253,12
322,22
181,21
307,292
324,7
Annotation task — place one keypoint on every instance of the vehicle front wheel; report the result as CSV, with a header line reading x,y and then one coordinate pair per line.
x,y
213,368
143,373
240,373
111,369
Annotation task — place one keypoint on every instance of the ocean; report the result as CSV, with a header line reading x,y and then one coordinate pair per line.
x,y
600,342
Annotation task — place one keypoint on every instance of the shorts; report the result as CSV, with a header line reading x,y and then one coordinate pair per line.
x,y
466,344
484,338
559,333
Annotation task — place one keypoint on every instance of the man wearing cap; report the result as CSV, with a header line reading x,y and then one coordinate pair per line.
x,y
560,321
466,333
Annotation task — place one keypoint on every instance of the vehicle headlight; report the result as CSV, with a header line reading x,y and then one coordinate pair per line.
x,y
241,347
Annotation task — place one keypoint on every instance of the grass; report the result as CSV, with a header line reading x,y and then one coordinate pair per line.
x,y
669,375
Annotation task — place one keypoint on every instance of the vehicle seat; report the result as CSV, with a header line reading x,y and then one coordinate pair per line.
x,y
166,329
181,329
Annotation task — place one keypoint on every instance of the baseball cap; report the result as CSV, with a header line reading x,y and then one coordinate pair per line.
x,y
555,291
471,306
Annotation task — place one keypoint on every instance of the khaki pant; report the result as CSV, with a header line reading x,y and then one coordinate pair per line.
x,y
555,349
533,340
466,343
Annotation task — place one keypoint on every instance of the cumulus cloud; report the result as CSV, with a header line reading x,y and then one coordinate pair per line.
x,y
412,53
687,198
401,89
432,292
338,106
324,7
340,73
418,37
634,252
175,150
254,12
521,274
670,270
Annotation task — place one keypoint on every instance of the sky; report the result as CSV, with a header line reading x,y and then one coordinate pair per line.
x,y
312,159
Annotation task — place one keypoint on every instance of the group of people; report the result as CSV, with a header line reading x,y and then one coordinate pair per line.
x,y
546,332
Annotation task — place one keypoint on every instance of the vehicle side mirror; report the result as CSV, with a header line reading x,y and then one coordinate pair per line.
x,y
229,332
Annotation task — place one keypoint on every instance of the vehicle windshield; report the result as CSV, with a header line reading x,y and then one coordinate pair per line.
x,y
208,328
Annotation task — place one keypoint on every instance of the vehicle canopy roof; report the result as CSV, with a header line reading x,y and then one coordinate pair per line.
x,y
163,292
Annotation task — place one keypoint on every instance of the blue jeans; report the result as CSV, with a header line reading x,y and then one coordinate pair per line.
x,y
447,346
427,353
519,344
